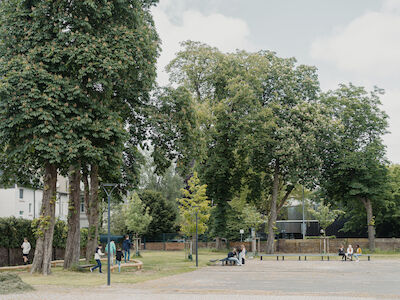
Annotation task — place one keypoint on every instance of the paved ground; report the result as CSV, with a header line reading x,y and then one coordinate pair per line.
x,y
295,280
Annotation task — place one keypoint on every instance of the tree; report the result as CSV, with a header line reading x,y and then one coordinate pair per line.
x,y
194,201
354,168
163,213
137,215
243,215
325,215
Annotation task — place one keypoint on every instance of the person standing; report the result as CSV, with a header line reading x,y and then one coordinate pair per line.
x,y
126,246
242,254
97,256
26,248
113,250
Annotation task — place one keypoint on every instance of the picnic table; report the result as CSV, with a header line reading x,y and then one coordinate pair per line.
x,y
299,255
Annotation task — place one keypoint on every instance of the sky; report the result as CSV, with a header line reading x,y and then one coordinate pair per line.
x,y
354,41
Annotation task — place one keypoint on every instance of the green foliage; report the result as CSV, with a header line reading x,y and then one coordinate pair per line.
x,y
325,215
163,213
13,230
60,234
83,237
137,216
355,167
242,215
194,200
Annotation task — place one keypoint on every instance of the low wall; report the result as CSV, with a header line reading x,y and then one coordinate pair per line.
x,y
291,246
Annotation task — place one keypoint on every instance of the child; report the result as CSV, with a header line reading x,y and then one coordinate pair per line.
x,y
97,255
26,247
118,258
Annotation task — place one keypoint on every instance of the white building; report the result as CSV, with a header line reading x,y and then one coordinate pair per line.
x,y
24,202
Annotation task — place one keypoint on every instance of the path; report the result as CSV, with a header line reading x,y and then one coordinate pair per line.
x,y
256,280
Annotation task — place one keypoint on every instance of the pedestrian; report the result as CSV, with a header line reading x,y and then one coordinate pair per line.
x,y
112,251
118,257
342,253
97,256
26,248
126,246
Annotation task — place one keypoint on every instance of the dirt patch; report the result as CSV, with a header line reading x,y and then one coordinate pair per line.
x,y
12,283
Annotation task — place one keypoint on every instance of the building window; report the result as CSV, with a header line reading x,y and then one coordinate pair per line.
x,y
30,207
21,193
21,212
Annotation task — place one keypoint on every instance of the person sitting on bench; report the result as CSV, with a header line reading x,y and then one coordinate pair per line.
x,y
357,253
349,252
342,253
232,256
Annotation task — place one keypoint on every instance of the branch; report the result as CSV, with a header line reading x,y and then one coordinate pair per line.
x,y
282,202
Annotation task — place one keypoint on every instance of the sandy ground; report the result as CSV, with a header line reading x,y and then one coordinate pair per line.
x,y
295,280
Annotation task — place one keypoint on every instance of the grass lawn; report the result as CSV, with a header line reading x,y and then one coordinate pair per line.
x,y
156,264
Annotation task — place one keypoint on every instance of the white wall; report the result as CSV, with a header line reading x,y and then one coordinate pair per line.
x,y
28,207
7,206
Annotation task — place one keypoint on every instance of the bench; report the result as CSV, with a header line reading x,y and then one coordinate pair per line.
x,y
136,264
299,255
224,261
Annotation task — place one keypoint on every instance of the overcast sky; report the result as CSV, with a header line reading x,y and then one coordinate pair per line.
x,y
354,41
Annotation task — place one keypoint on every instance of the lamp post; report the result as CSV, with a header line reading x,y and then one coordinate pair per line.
x,y
303,227
197,238
111,187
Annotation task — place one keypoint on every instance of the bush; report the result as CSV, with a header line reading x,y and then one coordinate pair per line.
x,y
13,230
12,283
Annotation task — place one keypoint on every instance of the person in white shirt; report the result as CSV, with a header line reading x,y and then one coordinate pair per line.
x,y
26,247
349,252
97,256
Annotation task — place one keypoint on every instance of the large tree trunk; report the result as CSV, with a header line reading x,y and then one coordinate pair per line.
x,y
370,222
45,227
93,213
72,249
273,211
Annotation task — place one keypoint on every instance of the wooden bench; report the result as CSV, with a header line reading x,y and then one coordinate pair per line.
x,y
299,255
135,264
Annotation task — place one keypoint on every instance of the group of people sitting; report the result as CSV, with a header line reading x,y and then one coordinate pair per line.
x,y
350,253
238,255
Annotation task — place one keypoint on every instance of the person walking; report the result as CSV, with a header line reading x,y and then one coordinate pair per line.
x,y
113,250
126,246
118,257
242,254
26,248
97,256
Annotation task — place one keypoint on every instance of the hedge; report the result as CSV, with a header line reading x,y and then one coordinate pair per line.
x,y
13,230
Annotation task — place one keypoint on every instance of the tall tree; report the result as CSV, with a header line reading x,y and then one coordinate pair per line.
x,y
354,170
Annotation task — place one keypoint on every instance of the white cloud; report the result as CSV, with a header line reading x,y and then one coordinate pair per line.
x,y
367,52
370,43
217,30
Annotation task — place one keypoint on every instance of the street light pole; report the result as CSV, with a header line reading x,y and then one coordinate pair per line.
x,y
197,238
112,186
303,227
